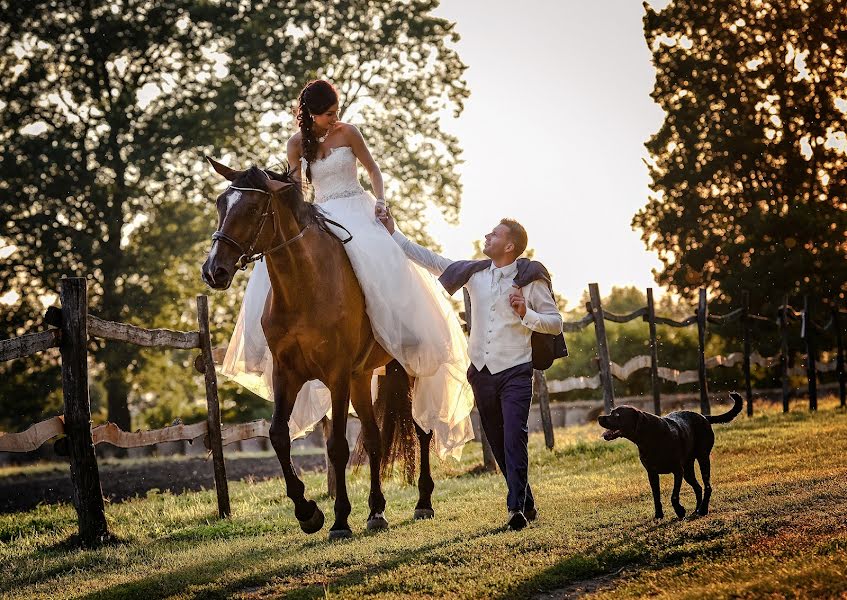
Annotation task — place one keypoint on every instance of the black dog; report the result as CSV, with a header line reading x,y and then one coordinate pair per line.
x,y
671,444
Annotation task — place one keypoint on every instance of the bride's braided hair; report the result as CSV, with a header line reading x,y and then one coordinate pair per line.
x,y
315,98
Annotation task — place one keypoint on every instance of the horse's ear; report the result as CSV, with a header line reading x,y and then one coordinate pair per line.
x,y
278,186
224,170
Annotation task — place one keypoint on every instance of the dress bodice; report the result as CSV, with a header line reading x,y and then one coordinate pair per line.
x,y
334,176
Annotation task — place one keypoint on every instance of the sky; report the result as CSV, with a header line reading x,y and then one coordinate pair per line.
x,y
560,92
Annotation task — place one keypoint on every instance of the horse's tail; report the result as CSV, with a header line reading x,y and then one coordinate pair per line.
x,y
393,410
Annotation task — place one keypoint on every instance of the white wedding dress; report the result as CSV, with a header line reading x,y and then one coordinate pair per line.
x,y
410,313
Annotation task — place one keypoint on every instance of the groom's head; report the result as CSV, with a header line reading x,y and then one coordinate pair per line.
x,y
506,242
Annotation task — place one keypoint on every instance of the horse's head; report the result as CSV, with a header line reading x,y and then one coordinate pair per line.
x,y
247,225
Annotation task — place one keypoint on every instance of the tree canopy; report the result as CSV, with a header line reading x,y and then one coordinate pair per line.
x,y
106,112
748,170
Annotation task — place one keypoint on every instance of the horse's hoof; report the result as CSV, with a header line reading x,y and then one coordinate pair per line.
x,y
340,534
377,522
314,523
424,513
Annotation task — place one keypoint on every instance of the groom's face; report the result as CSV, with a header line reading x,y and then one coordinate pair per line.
x,y
498,243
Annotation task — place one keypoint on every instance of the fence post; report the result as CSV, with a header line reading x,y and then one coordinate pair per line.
x,y
783,353
213,418
654,353
808,334
596,309
745,330
331,486
85,476
489,463
542,396
702,316
839,361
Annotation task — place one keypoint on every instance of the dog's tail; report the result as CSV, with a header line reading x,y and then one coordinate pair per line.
x,y
733,412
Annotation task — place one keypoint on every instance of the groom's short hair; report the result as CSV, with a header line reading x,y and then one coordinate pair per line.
x,y
517,233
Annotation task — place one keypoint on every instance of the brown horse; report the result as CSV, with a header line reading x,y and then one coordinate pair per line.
x,y
317,328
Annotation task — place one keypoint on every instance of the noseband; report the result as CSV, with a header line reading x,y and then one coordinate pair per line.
x,y
247,257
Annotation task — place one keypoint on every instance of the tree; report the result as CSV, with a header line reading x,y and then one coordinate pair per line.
x,y
108,107
748,169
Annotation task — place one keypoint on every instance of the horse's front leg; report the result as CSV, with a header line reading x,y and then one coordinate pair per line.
x,y
285,389
363,404
339,453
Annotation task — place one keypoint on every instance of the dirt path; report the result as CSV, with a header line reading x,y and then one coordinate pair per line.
x,y
119,482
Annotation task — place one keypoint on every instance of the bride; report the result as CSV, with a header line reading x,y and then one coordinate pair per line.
x,y
410,314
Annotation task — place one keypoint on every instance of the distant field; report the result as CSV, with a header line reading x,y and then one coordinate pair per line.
x,y
778,529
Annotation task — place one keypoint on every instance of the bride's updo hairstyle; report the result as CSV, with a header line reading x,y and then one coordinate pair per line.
x,y
315,98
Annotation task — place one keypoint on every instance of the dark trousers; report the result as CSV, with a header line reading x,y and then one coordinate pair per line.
x,y
503,402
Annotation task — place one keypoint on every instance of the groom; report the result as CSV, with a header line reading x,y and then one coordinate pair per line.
x,y
510,299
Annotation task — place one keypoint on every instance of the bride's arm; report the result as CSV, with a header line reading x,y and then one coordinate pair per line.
x,y
360,149
294,150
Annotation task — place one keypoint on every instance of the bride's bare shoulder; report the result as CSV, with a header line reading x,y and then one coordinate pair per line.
x,y
351,132
294,144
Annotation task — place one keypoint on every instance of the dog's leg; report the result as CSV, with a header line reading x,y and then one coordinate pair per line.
x,y
691,479
706,474
677,484
657,498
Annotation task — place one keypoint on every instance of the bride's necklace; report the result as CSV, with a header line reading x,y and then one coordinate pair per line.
x,y
322,139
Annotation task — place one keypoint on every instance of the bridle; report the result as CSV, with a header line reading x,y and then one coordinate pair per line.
x,y
247,257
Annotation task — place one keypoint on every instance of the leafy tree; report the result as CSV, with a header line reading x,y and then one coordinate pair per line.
x,y
748,168
107,109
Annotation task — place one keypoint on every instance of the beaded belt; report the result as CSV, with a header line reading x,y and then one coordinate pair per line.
x,y
343,194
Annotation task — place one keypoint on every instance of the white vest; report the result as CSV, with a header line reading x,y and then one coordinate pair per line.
x,y
499,339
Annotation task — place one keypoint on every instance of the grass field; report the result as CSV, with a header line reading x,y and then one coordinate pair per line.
x,y
778,528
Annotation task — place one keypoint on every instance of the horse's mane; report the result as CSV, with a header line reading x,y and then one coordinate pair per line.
x,y
304,212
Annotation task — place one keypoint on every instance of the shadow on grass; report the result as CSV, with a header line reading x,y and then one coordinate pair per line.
x,y
307,581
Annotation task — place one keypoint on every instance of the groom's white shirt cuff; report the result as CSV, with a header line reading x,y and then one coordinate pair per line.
x,y
530,319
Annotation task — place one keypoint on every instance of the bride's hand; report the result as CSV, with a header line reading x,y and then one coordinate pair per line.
x,y
387,220
381,210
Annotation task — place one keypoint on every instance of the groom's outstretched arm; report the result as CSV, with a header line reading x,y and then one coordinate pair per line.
x,y
429,260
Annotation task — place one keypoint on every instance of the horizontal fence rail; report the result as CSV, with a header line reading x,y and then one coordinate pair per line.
x,y
29,344
151,338
43,431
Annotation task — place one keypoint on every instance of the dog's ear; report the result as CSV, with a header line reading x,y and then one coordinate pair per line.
x,y
639,421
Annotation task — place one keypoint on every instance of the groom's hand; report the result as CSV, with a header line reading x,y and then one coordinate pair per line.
x,y
387,220
518,302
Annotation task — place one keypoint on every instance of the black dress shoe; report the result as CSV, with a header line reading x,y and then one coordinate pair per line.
x,y
517,520
531,514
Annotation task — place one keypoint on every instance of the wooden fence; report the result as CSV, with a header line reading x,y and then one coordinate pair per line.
x,y
607,369
74,326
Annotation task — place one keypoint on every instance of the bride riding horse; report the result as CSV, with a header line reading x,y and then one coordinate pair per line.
x,y
316,328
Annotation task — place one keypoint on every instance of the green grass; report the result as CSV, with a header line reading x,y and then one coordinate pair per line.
x,y
778,528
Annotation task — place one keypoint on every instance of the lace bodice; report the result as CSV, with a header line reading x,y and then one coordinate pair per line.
x,y
334,176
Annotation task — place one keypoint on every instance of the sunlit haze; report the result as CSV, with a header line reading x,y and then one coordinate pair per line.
x,y
553,135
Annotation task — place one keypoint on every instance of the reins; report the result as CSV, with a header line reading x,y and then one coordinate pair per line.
x,y
247,257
